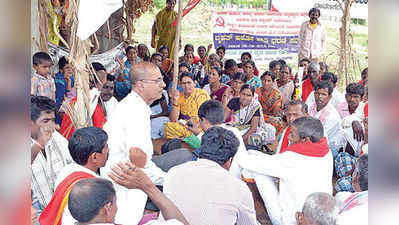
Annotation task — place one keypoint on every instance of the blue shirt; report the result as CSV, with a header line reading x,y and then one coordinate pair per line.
x,y
255,82
123,88
60,87
225,78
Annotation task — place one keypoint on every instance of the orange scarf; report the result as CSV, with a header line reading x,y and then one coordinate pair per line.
x,y
52,214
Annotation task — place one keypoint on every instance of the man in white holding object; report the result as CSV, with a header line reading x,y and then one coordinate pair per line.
x,y
130,126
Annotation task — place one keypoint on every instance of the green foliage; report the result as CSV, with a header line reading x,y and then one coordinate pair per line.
x,y
358,21
159,4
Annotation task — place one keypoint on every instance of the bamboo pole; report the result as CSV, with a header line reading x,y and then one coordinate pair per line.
x,y
43,25
79,58
176,48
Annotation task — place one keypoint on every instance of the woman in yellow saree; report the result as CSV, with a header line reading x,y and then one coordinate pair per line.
x,y
185,108
162,31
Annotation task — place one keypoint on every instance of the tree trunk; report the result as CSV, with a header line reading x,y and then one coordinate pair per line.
x,y
343,55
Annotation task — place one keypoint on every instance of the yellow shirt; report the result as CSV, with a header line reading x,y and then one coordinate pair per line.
x,y
313,26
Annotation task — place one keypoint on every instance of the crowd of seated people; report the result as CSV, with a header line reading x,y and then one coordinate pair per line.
x,y
227,124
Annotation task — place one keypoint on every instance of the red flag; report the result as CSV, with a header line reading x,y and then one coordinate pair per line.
x,y
190,5
98,118
273,9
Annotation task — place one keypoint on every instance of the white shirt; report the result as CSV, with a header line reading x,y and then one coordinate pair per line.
x,y
331,121
110,106
46,169
67,218
130,126
168,222
207,194
152,222
299,176
358,115
336,98
357,215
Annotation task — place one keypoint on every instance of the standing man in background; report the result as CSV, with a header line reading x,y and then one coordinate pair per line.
x,y
312,38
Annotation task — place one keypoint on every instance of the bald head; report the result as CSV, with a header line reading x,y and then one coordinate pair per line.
x,y
320,208
88,196
141,71
147,81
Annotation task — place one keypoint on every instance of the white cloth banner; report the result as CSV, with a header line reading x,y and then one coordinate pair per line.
x,y
93,14
107,59
330,9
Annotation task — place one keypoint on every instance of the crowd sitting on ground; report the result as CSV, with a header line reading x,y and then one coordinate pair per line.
x,y
154,155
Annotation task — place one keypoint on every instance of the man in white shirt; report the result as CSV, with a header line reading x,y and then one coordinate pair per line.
x,y
319,208
323,110
93,200
304,167
295,110
353,99
204,190
49,156
130,126
107,96
89,150
354,141
337,97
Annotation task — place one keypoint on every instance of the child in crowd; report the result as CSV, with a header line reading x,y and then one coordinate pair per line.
x,y
64,82
42,84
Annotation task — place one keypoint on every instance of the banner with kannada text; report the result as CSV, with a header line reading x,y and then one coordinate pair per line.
x,y
266,35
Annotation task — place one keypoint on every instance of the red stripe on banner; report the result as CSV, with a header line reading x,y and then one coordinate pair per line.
x,y
190,5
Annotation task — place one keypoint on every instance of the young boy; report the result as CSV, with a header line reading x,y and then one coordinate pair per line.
x,y
42,84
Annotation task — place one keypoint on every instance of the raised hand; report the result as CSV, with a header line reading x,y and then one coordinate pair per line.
x,y
129,176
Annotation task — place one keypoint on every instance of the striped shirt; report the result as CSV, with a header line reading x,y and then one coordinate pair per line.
x,y
46,169
42,86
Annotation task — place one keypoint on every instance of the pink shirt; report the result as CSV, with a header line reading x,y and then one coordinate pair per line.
x,y
207,194
343,109
312,43
42,86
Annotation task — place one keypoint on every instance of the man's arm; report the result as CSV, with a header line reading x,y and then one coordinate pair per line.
x,y
270,165
132,177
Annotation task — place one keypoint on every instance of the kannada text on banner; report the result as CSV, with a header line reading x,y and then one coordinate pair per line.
x,y
266,35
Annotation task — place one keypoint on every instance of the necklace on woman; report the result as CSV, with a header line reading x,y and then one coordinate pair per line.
x,y
212,87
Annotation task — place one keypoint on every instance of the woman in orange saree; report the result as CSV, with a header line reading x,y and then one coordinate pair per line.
x,y
271,101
